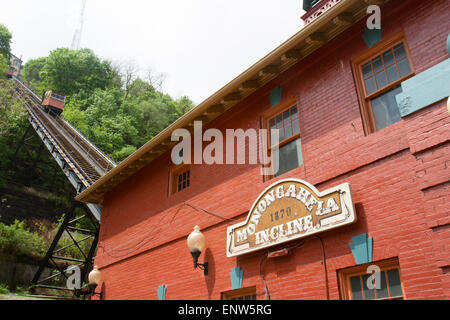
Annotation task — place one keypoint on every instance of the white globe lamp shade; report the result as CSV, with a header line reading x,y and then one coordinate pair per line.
x,y
95,276
196,240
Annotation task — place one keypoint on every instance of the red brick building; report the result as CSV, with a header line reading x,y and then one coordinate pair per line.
x,y
367,107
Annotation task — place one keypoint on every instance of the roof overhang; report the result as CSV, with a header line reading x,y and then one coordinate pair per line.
x,y
322,29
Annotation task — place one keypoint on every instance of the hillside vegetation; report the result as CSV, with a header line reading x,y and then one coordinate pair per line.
x,y
113,107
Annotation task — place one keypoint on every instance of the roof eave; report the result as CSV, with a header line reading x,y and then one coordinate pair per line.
x,y
341,16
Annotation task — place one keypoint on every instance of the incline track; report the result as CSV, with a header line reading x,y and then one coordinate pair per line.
x,y
83,158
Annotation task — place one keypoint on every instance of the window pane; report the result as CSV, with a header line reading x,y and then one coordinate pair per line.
x,y
355,285
370,85
367,70
385,108
295,127
382,291
289,157
404,68
381,80
288,131
272,123
394,283
286,117
388,58
282,135
400,51
377,64
369,294
279,121
299,151
392,73
294,112
273,138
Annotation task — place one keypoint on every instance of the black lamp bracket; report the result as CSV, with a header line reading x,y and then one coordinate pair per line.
x,y
202,266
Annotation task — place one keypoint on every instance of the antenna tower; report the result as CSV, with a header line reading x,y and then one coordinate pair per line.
x,y
78,31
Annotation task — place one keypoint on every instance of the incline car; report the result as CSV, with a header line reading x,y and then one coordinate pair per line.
x,y
53,102
15,67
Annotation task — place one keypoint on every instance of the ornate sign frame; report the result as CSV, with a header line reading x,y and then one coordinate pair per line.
x,y
290,209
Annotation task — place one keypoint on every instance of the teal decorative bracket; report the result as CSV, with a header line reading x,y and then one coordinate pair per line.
x,y
371,37
424,89
162,292
236,275
361,247
275,96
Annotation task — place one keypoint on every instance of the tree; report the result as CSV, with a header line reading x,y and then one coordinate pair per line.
x,y
138,88
31,74
5,42
69,71
3,66
32,69
129,71
110,104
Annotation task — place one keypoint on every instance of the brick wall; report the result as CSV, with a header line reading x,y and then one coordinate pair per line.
x,y
399,178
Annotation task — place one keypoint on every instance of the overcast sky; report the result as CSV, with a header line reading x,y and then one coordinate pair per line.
x,y
200,45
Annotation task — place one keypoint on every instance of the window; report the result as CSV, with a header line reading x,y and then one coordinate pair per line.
x,y
287,148
183,180
309,4
379,73
180,178
248,293
355,286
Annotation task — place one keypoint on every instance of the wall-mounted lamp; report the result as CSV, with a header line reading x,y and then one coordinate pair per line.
x,y
196,244
95,276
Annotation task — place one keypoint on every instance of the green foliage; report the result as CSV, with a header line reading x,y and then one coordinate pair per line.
x,y
16,239
12,114
119,124
3,66
4,289
12,121
5,41
117,111
70,71
31,74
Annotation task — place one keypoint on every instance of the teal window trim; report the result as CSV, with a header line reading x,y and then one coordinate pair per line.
x,y
162,290
236,276
424,89
275,96
362,248
372,37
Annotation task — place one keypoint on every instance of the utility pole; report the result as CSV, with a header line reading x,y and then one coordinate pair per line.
x,y
76,40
